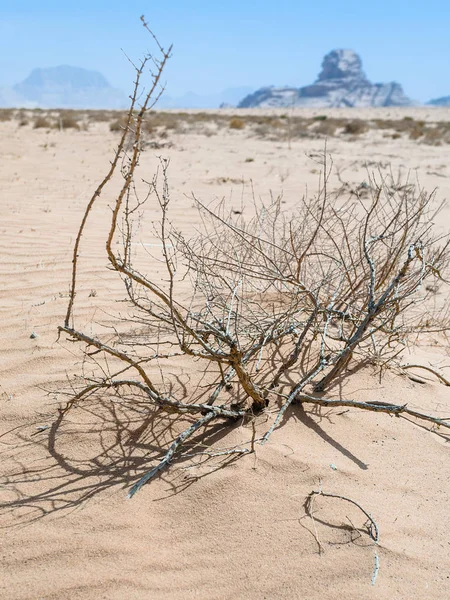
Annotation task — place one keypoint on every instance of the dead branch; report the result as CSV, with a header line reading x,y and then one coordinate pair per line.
x,y
372,530
375,406
430,370
172,450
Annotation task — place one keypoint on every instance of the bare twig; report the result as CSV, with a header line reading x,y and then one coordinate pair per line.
x,y
430,370
164,463
373,529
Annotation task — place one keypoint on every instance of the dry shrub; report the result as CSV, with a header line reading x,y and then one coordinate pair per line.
x,y
433,136
42,122
118,124
162,123
68,121
355,127
415,133
326,127
407,125
282,304
6,114
263,131
279,305
237,123
401,126
299,128
101,116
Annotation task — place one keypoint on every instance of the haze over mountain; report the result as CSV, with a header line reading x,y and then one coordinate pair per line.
x,y
73,87
68,87
444,101
341,83
229,97
10,99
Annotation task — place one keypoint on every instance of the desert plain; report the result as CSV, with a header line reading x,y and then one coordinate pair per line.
x,y
218,528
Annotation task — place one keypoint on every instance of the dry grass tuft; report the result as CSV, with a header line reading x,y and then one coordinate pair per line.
x,y
68,120
6,114
42,122
118,124
355,127
236,123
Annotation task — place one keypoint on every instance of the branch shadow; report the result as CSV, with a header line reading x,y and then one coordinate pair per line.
x,y
309,422
297,411
106,443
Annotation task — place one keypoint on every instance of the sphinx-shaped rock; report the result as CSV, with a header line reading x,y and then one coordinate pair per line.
x,y
341,82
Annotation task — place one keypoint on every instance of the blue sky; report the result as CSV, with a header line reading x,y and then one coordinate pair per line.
x,y
230,43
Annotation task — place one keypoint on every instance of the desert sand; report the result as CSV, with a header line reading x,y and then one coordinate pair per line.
x,y
217,529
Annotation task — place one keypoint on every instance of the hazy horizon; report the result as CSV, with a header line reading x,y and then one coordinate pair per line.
x,y
232,46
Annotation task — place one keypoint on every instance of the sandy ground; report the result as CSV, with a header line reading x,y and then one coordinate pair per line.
x,y
209,531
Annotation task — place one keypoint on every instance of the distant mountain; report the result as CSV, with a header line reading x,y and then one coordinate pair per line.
x,y
68,87
341,83
444,101
74,87
229,97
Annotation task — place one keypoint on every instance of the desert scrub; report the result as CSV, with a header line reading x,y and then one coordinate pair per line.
x,y
101,116
326,127
355,127
118,124
42,122
67,120
6,114
237,123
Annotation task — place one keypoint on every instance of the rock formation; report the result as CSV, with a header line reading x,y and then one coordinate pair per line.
x,y
342,82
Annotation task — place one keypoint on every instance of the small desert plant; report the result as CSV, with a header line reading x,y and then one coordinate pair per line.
x,y
67,121
433,136
326,127
100,116
118,124
355,127
6,114
42,122
280,305
164,121
414,133
237,123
